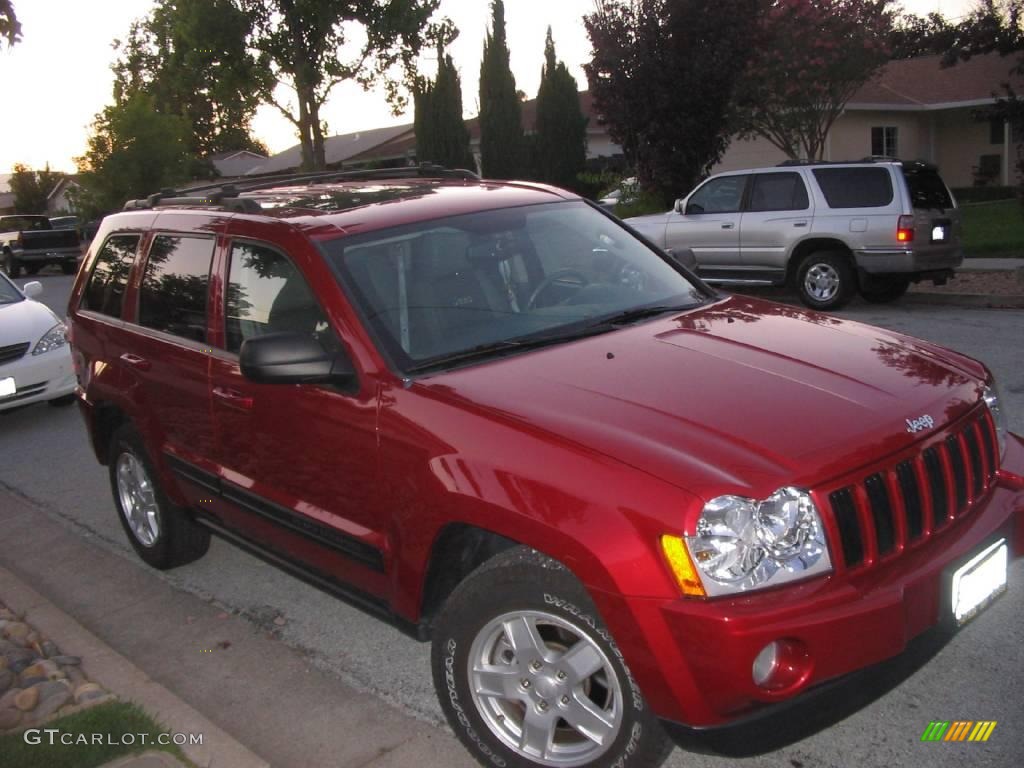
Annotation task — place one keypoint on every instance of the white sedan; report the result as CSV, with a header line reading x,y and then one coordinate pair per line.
x,y
35,360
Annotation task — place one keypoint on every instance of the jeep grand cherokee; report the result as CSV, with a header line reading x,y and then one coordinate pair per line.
x,y
623,507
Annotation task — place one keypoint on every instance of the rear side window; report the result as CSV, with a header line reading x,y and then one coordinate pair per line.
x,y
855,187
267,294
778,192
172,297
104,293
927,189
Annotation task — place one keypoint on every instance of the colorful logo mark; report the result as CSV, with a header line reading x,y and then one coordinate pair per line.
x,y
958,730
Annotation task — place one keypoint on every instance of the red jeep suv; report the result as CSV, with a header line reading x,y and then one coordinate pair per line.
x,y
622,506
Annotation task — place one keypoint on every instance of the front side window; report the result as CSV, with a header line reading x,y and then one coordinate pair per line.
x,y
172,297
502,280
722,195
778,192
104,293
267,294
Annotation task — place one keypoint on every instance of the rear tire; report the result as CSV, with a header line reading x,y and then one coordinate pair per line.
x,y
527,673
825,280
33,269
11,266
882,290
160,532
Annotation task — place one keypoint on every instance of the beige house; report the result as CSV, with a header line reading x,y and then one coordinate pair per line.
x,y
915,109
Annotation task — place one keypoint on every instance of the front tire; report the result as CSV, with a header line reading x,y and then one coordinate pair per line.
x,y
160,532
882,290
11,266
527,673
825,280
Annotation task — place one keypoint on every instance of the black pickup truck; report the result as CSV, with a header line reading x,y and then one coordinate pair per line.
x,y
31,242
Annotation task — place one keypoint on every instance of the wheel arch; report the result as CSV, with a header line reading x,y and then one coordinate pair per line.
x,y
811,245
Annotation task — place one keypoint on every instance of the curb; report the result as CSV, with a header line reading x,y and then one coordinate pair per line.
x,y
116,673
977,300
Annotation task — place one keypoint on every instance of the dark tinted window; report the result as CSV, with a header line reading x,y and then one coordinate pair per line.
x,y
104,293
778,192
855,187
267,294
723,195
173,293
927,189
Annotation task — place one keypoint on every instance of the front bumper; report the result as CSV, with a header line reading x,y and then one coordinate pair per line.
x,y
39,378
693,658
908,261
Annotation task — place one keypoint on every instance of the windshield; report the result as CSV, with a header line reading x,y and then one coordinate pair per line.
x,y
8,293
494,281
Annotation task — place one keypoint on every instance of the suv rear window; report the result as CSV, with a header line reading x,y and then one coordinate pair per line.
x,y
104,293
927,189
855,187
172,297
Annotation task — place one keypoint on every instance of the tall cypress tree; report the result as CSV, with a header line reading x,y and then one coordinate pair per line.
x,y
441,133
561,141
501,129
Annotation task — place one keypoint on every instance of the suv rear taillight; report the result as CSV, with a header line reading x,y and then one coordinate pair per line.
x,y
905,229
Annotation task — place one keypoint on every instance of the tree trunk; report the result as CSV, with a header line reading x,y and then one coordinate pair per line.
x,y
305,134
319,152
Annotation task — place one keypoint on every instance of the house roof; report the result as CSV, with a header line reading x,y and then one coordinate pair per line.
x,y
923,83
337,149
64,182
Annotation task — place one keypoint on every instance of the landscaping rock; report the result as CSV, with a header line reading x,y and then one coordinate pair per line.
x,y
9,718
50,650
27,699
87,691
52,696
47,669
7,700
16,632
6,680
75,676
73,661
27,681
18,663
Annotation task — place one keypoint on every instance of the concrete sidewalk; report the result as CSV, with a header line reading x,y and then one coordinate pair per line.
x,y
251,688
991,265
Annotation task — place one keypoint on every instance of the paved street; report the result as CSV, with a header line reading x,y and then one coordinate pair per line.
x,y
44,456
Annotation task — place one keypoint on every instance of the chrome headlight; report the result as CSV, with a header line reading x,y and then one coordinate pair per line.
x,y
994,402
742,544
52,339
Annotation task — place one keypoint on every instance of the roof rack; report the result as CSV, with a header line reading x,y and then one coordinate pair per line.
x,y
227,195
918,164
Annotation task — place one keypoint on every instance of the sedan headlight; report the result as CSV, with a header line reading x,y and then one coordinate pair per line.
x,y
52,339
994,403
742,544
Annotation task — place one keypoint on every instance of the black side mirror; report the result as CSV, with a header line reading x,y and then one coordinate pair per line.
x,y
294,358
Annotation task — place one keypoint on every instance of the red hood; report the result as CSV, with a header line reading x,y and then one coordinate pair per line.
x,y
741,396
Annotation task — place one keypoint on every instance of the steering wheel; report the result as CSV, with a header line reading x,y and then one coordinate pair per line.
x,y
560,276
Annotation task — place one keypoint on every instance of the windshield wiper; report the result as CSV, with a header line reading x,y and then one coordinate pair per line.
x,y
641,313
510,345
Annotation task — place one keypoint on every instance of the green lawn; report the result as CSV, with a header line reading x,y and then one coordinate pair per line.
x,y
116,718
994,229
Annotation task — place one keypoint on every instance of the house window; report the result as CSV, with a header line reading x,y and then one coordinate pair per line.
x,y
884,141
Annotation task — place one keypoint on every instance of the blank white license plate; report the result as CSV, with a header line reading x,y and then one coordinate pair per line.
x,y
7,387
979,581
938,233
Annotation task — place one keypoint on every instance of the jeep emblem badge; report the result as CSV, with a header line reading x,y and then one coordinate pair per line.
x,y
922,422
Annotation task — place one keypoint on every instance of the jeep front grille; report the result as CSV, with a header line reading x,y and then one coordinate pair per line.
x,y
881,513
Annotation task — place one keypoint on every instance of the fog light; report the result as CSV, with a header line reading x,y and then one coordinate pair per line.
x,y
765,663
782,666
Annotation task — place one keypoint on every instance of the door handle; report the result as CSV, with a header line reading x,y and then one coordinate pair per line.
x,y
800,224
139,363
728,225
233,399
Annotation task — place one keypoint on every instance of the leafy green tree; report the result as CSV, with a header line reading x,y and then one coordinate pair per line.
x,y
914,35
133,152
663,75
191,56
501,123
809,58
10,27
310,46
441,133
561,128
32,188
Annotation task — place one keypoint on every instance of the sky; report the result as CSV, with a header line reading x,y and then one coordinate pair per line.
x,y
58,77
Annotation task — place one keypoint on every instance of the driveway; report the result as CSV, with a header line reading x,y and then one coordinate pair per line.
x,y
45,456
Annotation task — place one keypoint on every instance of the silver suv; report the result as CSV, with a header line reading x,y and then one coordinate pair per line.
x,y
828,229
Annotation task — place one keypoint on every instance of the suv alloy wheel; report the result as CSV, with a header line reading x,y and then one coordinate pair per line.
x,y
825,280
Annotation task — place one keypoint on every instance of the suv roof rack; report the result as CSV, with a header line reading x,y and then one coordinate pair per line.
x,y
916,164
227,195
